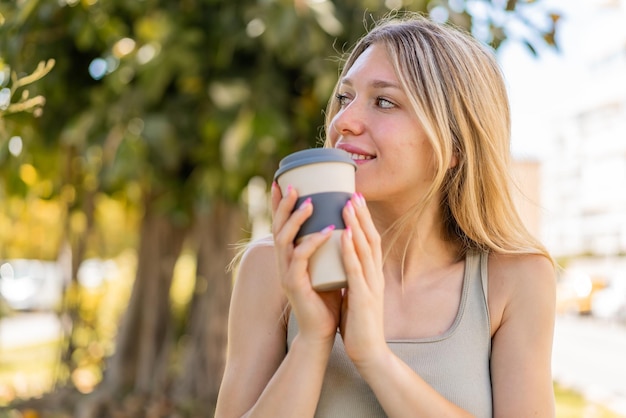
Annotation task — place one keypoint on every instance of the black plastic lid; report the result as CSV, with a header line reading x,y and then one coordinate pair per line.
x,y
313,156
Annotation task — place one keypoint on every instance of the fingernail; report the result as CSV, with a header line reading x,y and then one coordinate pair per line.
x,y
349,232
289,188
306,203
350,207
360,200
328,229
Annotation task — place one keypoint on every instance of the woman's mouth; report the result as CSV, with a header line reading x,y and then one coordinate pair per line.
x,y
357,154
360,157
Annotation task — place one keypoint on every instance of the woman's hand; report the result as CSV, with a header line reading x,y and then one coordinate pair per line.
x,y
362,311
317,313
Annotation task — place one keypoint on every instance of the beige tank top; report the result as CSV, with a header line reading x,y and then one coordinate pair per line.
x,y
456,363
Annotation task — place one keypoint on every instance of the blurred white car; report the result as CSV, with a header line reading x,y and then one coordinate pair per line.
x,y
575,289
610,302
27,284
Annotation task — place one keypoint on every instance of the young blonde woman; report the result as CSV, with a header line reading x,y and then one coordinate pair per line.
x,y
449,310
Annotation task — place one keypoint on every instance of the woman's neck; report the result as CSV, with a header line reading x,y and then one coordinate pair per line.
x,y
417,248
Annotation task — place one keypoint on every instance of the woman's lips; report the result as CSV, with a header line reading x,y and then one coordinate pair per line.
x,y
359,156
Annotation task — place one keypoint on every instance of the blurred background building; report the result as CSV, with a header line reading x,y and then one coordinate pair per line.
x,y
569,143
585,172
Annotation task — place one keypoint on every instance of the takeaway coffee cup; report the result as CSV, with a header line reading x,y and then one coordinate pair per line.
x,y
325,175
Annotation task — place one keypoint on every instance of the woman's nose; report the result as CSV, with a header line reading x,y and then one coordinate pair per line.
x,y
350,120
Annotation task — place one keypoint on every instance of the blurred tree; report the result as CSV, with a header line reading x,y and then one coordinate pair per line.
x,y
185,102
17,108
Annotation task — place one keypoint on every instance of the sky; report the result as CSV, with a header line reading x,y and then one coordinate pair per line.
x,y
557,84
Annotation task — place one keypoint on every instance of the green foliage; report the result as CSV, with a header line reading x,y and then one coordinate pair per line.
x,y
25,103
16,101
190,99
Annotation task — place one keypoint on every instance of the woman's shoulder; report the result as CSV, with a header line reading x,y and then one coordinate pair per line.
x,y
258,247
518,283
514,266
256,267
257,280
520,269
257,257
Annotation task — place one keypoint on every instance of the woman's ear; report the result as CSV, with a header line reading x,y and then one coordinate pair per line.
x,y
454,161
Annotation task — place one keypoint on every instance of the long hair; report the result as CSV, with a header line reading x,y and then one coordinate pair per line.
x,y
458,94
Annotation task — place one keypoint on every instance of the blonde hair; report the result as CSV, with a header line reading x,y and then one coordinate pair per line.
x,y
457,92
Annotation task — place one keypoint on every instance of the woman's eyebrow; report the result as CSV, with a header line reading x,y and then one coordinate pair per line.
x,y
374,83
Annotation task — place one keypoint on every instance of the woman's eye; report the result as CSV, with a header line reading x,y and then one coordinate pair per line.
x,y
384,103
342,99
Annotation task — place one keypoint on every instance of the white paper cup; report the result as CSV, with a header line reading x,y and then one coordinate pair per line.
x,y
326,175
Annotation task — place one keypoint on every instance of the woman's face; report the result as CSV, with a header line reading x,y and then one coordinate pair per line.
x,y
378,127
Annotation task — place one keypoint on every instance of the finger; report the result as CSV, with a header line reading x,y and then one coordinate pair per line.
x,y
364,251
276,196
303,252
285,232
282,207
367,225
351,261
359,239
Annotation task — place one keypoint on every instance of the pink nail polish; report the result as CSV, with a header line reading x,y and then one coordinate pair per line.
x,y
349,232
328,229
304,204
360,199
350,207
